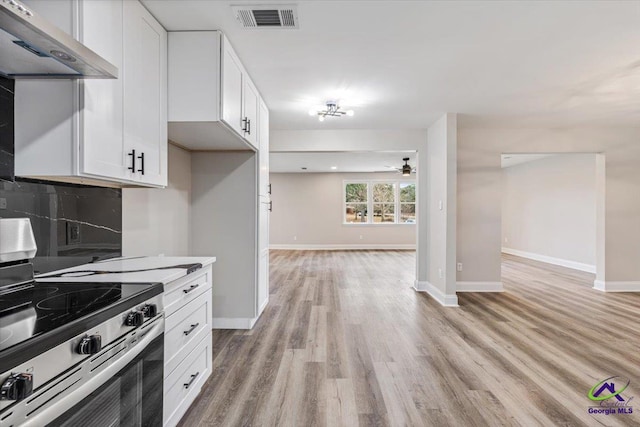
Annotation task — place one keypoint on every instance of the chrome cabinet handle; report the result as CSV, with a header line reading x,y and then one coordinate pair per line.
x,y
191,288
193,378
132,168
193,327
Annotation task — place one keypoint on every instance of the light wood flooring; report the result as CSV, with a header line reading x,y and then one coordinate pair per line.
x,y
345,341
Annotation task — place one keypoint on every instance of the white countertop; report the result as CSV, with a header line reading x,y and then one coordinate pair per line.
x,y
125,270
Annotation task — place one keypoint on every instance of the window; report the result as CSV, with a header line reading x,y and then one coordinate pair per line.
x,y
407,202
356,196
380,202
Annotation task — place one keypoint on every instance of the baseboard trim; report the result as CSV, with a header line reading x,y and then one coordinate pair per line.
x,y
263,306
443,299
551,260
604,286
479,287
342,247
233,322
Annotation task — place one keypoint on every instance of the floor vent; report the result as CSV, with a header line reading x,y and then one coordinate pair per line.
x,y
267,16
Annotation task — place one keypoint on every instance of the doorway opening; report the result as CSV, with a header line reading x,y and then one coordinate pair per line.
x,y
551,212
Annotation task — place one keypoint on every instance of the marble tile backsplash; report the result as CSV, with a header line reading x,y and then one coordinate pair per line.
x,y
6,129
73,224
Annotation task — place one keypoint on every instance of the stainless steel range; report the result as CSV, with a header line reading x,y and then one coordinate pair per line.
x,y
75,354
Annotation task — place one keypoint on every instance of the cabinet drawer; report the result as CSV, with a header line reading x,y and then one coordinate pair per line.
x,y
183,291
184,384
184,329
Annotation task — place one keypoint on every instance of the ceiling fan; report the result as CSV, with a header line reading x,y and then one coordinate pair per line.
x,y
406,169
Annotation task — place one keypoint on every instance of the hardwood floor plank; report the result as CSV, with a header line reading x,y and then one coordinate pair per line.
x,y
345,341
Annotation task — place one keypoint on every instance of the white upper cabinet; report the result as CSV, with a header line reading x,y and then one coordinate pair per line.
x,y
213,104
145,102
89,130
231,87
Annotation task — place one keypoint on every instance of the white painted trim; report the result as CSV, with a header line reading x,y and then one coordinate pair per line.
x,y
342,247
479,287
551,260
616,286
263,306
443,299
233,322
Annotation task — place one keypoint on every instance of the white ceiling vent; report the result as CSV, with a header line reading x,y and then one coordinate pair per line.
x,y
267,16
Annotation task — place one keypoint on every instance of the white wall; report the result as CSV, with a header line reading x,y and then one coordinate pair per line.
x,y
156,221
549,210
438,275
223,224
479,195
347,140
309,206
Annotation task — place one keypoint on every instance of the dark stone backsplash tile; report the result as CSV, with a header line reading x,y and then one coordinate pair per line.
x,y
73,224
6,129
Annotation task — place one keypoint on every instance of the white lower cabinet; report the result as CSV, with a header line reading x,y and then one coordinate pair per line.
x,y
187,342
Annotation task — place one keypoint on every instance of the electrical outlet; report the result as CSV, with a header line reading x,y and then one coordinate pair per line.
x,y
3,203
440,205
440,273
295,237
361,237
506,240
459,266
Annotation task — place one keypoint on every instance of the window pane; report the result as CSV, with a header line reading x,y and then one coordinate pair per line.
x,y
384,212
356,193
356,212
407,192
408,213
384,193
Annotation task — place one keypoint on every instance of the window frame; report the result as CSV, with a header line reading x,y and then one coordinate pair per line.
x,y
396,201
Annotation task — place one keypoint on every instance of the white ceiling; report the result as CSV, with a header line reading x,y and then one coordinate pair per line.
x,y
345,162
401,64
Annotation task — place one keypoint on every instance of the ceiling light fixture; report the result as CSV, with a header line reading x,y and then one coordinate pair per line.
x,y
334,167
332,110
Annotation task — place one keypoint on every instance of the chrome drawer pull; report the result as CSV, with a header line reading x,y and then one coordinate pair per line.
x,y
193,378
191,329
191,288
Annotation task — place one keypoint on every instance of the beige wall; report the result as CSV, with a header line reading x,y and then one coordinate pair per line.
x,y
309,206
549,208
156,221
479,194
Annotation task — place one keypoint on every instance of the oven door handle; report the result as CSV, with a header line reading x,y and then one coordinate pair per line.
x,y
75,396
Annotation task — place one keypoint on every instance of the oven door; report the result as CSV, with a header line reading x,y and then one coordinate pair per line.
x,y
132,397
127,392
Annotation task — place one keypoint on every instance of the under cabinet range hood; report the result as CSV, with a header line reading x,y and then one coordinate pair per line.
x,y
33,48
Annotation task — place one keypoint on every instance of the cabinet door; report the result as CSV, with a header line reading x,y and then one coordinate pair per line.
x,y
250,107
101,146
263,152
231,88
145,93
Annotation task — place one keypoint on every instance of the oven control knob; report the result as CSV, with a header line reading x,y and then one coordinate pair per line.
x,y
150,310
135,318
90,344
17,387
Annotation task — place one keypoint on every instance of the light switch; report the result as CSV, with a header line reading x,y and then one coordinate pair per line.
x,y
3,203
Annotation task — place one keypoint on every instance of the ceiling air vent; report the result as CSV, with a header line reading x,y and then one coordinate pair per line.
x,y
267,16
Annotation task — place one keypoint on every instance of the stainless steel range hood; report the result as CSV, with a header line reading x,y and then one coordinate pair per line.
x,y
33,48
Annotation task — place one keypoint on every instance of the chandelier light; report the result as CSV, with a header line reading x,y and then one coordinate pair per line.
x,y
332,110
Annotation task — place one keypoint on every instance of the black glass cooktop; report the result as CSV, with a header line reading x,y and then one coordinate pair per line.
x,y
39,314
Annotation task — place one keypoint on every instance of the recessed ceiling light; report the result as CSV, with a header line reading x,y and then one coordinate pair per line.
x,y
334,167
